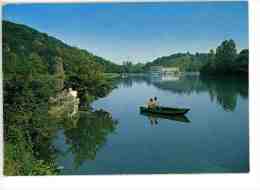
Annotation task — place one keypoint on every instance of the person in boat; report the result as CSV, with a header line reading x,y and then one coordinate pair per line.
x,y
155,102
150,103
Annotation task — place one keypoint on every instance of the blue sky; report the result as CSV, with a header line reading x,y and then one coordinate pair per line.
x,y
138,32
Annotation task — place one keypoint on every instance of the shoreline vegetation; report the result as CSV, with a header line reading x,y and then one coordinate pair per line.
x,y
226,61
38,67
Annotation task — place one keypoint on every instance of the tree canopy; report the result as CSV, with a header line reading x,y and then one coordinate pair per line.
x,y
226,60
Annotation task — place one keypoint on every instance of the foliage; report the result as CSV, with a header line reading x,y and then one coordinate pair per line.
x,y
89,135
89,82
226,52
129,67
184,61
226,60
35,66
28,41
26,127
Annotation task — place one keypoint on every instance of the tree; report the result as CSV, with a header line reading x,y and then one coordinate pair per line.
x,y
211,58
242,61
211,63
35,65
226,54
243,57
226,60
127,66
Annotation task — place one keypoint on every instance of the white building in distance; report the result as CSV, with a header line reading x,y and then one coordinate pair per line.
x,y
164,70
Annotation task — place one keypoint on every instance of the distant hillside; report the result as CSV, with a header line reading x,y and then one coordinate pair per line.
x,y
185,61
225,59
23,41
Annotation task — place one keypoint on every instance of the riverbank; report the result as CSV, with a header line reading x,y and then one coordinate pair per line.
x,y
111,76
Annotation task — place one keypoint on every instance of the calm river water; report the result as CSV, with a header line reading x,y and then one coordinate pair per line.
x,y
213,137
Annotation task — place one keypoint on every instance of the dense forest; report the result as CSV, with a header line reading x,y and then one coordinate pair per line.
x,y
28,40
33,62
226,60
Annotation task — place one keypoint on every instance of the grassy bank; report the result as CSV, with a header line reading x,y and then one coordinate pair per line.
x,y
111,76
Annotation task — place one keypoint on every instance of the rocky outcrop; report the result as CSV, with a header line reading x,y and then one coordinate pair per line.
x,y
64,104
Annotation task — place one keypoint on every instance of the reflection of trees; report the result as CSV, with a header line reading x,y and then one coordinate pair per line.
x,y
185,85
89,135
129,81
223,90
226,90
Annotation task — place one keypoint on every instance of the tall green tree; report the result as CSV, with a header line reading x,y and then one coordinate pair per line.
x,y
35,65
225,55
226,60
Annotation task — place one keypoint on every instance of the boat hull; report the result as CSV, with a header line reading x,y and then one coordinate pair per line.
x,y
180,118
164,110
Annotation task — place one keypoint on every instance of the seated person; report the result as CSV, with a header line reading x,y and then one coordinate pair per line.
x,y
155,102
150,103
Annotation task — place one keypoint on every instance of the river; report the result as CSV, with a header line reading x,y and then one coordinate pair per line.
x,y
212,138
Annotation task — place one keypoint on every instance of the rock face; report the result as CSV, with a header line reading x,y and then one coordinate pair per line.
x,y
73,93
59,74
65,104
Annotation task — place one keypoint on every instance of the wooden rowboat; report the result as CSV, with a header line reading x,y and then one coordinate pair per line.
x,y
179,118
164,110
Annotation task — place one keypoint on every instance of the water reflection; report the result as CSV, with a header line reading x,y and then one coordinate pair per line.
x,y
155,118
223,91
88,135
89,144
129,81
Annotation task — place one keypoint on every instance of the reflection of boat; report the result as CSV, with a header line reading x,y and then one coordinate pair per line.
x,y
180,118
164,110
